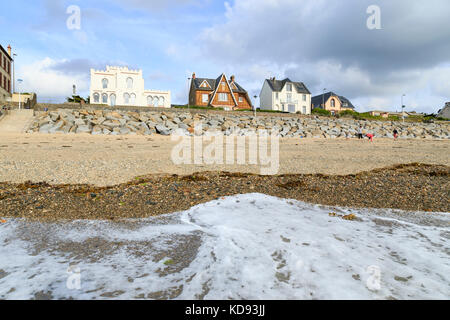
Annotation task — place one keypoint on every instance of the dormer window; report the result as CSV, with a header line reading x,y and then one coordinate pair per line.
x,y
205,85
289,87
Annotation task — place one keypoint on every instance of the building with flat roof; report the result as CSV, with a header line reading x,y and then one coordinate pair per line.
x,y
119,86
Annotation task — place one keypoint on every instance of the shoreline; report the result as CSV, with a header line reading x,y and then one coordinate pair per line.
x,y
410,187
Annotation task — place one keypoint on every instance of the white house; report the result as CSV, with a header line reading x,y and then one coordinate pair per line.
x,y
119,86
285,95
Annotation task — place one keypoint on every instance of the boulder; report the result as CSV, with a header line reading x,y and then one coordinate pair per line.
x,y
84,129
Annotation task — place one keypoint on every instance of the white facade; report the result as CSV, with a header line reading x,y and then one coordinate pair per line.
x,y
119,86
287,99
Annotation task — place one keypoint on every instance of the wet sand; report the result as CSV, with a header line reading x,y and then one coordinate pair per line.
x,y
111,160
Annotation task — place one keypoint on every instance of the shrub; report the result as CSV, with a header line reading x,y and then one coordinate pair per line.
x,y
321,112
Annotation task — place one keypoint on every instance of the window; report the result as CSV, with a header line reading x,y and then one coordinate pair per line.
x,y
276,95
105,83
223,97
133,99
289,87
304,97
149,100
129,83
223,85
333,103
96,98
112,100
162,101
104,98
205,98
241,99
289,97
155,102
304,110
126,98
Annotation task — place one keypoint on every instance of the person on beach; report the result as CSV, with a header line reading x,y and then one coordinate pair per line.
x,y
360,133
395,134
370,136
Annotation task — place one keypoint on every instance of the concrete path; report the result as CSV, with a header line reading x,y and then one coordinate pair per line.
x,y
17,121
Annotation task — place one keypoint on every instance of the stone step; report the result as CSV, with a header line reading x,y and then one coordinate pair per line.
x,y
17,121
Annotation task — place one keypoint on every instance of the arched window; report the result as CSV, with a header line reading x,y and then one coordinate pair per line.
x,y
333,103
105,83
155,102
126,98
149,100
133,99
96,98
112,100
161,101
104,98
129,83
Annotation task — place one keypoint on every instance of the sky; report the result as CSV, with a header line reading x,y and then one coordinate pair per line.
x,y
323,43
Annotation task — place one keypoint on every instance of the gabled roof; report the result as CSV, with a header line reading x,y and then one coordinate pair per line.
x,y
318,100
213,83
278,85
217,88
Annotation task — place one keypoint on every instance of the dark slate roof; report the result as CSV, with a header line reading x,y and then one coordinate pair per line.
x,y
278,85
318,100
199,81
213,82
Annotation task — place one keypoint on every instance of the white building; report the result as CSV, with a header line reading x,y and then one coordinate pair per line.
x,y
285,95
119,86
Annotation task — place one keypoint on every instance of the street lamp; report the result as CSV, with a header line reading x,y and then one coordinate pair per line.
x,y
189,92
254,107
403,109
19,81
323,98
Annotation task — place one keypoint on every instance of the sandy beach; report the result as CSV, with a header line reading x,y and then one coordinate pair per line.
x,y
108,160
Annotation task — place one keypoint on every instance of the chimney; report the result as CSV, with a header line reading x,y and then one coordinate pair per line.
x,y
232,79
9,51
273,79
193,75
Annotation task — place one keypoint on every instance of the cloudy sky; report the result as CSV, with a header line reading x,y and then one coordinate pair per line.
x,y
323,43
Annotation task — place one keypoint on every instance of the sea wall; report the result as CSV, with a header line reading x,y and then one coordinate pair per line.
x,y
122,122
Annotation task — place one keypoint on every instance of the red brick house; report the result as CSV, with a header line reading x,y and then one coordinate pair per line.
x,y
218,93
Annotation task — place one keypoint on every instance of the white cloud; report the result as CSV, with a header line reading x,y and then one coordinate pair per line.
x,y
327,44
48,83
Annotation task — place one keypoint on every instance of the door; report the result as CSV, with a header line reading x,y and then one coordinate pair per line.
x,y
291,108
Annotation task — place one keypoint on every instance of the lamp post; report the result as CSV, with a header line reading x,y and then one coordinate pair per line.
x,y
403,109
189,92
323,98
14,72
254,107
19,81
